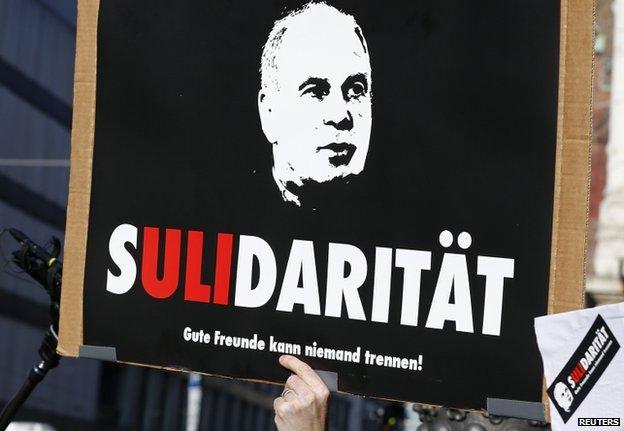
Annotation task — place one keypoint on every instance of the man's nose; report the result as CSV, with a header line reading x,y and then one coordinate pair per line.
x,y
337,113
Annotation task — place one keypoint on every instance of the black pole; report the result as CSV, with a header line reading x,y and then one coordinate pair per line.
x,y
8,413
49,360
44,267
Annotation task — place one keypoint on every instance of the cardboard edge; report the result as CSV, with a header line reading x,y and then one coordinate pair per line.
x,y
519,408
329,375
573,161
70,327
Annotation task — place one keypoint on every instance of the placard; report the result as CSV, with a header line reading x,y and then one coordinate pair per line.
x,y
382,190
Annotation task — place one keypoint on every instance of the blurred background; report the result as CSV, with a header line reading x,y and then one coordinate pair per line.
x,y
37,43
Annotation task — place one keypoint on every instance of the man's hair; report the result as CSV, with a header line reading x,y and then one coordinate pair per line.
x,y
268,64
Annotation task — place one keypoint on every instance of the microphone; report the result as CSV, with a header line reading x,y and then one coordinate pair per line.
x,y
41,264
31,247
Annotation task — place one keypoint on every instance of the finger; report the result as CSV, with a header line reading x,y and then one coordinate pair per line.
x,y
278,406
288,394
295,383
303,370
279,422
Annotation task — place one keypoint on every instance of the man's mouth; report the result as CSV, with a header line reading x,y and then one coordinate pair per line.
x,y
342,153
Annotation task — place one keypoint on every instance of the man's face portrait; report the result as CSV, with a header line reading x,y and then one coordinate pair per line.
x,y
315,99
563,396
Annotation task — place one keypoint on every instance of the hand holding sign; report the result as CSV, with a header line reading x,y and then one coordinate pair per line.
x,y
303,404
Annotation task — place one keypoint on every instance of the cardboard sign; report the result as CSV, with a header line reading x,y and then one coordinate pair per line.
x,y
391,193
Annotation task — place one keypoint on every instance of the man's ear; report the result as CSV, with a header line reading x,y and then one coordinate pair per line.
x,y
267,117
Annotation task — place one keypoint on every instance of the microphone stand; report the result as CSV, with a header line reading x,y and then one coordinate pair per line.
x,y
45,268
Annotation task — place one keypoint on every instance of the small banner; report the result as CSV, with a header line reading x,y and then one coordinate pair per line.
x,y
585,385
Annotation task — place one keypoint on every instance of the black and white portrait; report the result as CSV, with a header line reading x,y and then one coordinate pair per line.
x,y
315,98
563,396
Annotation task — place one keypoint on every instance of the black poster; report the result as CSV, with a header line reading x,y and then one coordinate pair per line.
x,y
365,184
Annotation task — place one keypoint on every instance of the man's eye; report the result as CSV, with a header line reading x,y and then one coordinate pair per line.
x,y
315,91
356,90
